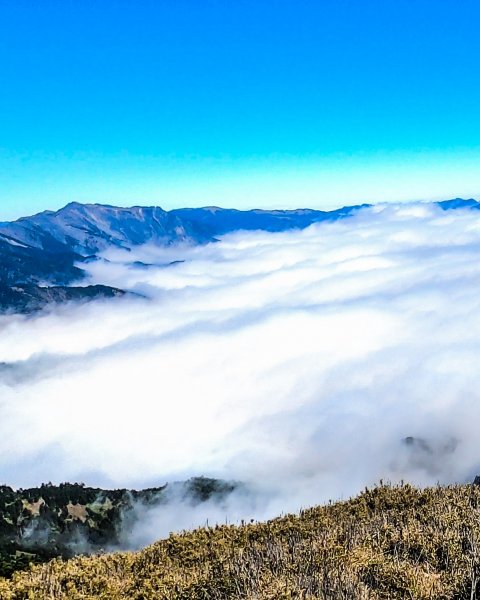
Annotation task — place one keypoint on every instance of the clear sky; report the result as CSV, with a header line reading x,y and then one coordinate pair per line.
x,y
237,103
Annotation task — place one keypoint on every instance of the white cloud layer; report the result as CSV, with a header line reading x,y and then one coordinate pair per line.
x,y
296,362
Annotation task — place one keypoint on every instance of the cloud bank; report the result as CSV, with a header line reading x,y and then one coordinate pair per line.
x,y
298,363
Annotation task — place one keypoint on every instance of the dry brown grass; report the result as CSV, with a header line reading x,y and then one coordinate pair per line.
x,y
389,542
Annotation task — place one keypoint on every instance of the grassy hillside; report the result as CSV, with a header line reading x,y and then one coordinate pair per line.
x,y
390,542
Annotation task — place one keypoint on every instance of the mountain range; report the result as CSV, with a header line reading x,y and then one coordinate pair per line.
x,y
41,256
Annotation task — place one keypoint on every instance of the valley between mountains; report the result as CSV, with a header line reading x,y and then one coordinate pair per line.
x,y
42,256
220,371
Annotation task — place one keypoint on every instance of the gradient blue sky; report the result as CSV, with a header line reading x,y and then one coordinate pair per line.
x,y
241,103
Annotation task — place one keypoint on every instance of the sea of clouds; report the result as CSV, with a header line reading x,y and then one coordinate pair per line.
x,y
298,363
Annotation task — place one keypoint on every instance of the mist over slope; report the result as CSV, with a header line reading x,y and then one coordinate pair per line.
x,y
51,248
45,522
305,363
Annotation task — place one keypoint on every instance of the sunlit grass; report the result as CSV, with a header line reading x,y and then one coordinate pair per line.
x,y
389,542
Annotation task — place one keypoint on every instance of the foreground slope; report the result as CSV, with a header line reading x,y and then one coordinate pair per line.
x,y
387,543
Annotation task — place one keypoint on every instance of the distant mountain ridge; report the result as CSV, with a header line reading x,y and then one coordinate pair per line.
x,y
47,249
220,221
87,229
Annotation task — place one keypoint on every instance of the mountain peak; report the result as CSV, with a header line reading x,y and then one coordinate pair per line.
x,y
88,229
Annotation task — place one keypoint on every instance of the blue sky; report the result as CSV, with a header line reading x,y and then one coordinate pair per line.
x,y
241,103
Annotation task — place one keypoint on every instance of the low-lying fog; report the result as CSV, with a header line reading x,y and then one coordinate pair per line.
x,y
295,362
